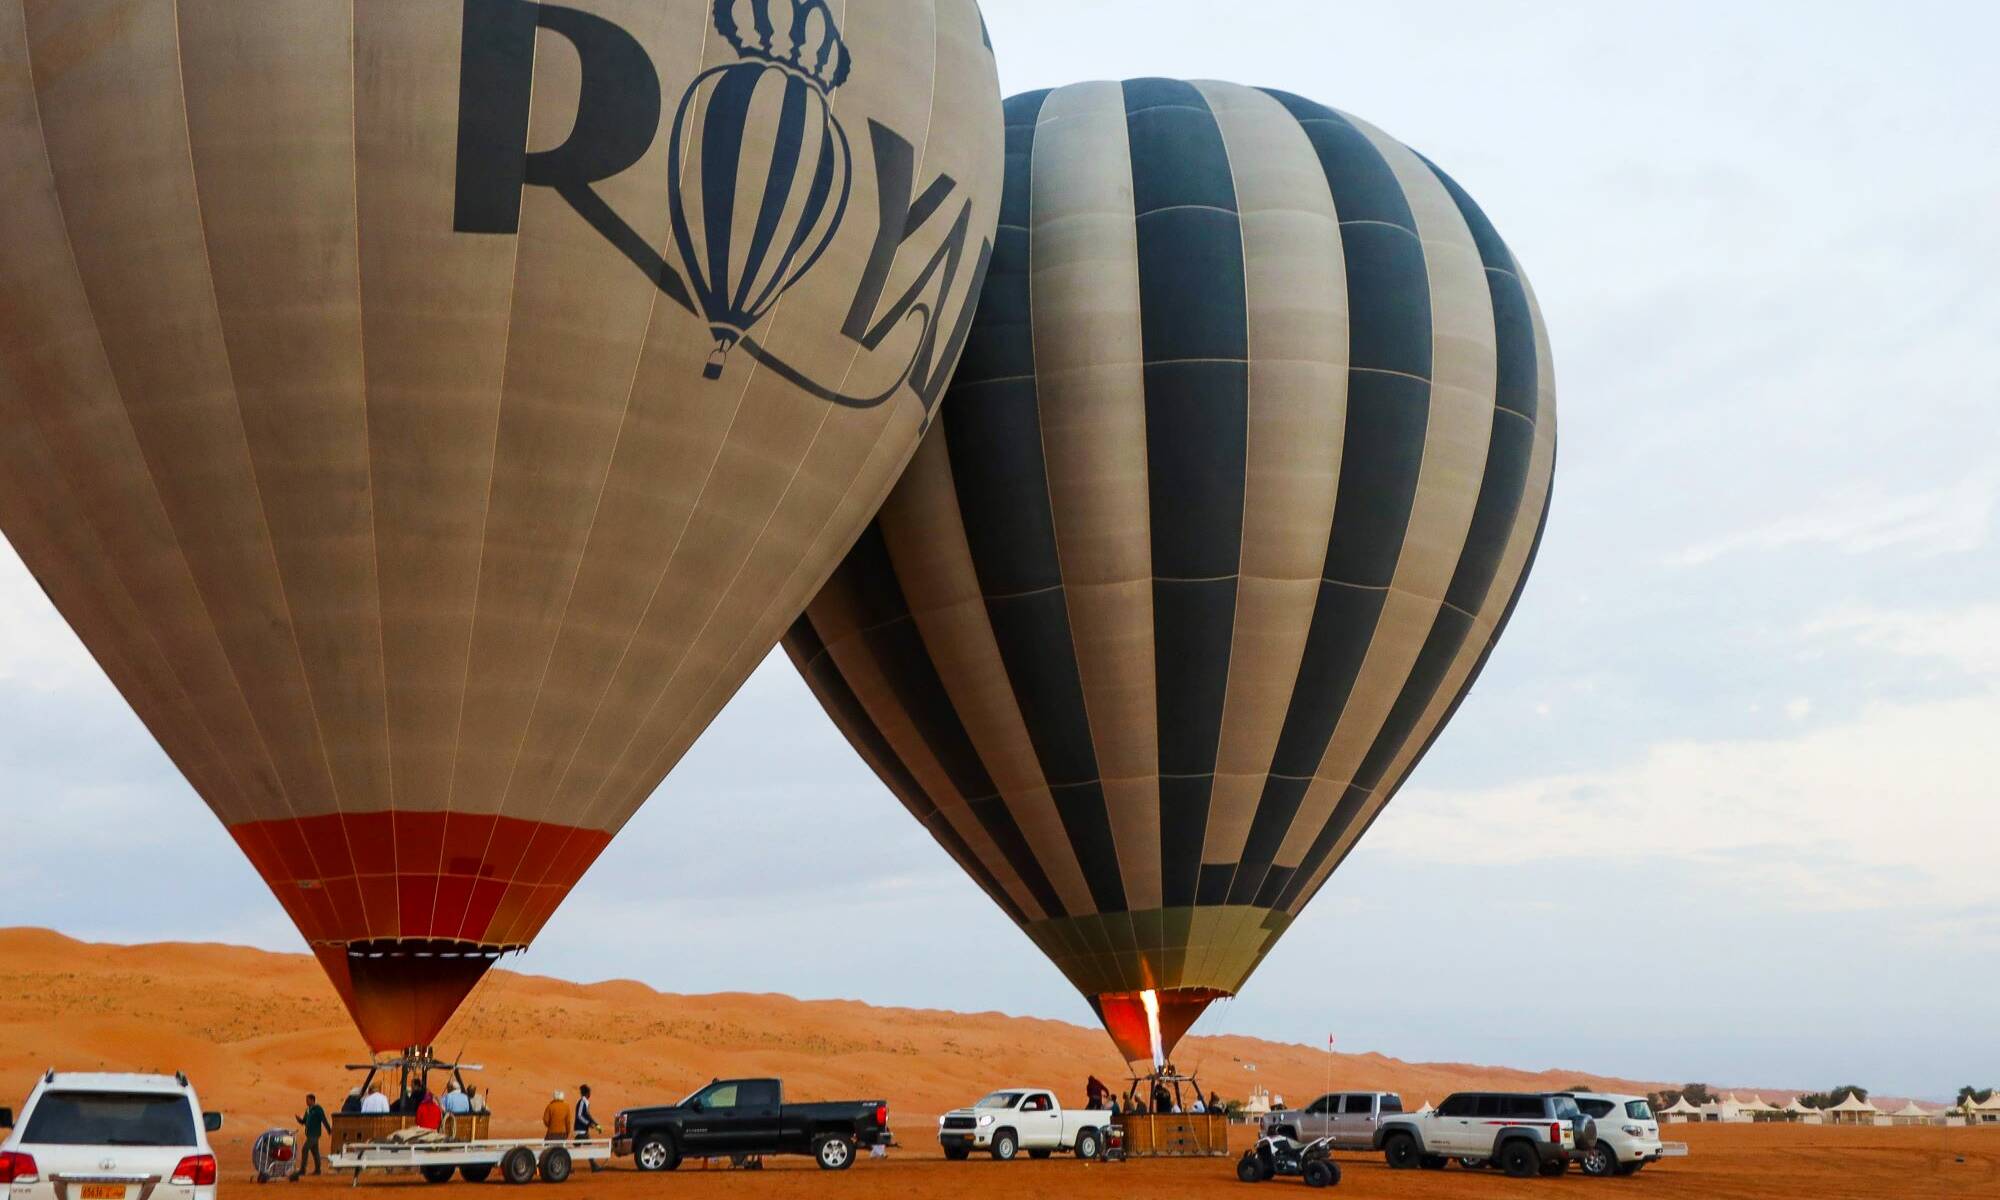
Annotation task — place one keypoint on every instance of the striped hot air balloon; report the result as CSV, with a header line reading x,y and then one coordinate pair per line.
x,y
1239,480
351,414
761,169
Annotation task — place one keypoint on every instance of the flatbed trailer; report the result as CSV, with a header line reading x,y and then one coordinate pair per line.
x,y
519,1160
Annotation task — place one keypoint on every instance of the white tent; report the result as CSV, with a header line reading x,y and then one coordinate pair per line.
x,y
1989,1112
1911,1114
1804,1114
1426,1108
1852,1111
1680,1110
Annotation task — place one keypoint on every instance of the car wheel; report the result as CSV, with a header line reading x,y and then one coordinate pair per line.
x,y
834,1152
1433,1162
1004,1145
657,1152
436,1174
474,1174
1087,1145
1249,1170
1598,1161
957,1153
1518,1158
1586,1133
1318,1174
555,1165
1472,1164
518,1166
1401,1151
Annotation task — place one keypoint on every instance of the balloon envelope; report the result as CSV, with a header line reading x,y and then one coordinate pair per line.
x,y
1238,482
353,405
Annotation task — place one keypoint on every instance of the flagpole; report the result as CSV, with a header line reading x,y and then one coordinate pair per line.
x,y
1329,1071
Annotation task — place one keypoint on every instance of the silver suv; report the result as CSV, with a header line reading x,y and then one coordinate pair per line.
x,y
85,1136
1349,1118
1522,1133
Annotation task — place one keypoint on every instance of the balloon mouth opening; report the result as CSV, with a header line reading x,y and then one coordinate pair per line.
x,y
1147,1024
402,992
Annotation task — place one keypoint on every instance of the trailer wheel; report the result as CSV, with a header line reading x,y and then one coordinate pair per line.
x,y
437,1174
476,1174
555,1164
518,1166
657,1152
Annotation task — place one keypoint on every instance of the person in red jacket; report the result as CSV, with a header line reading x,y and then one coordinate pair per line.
x,y
430,1114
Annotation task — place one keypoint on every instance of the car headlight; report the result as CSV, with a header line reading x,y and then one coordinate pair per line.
x,y
985,1121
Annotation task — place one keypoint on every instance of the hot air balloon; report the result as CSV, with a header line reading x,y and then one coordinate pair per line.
x,y
353,412
1238,482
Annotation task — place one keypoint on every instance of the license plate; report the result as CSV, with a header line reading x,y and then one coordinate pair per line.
x,y
103,1191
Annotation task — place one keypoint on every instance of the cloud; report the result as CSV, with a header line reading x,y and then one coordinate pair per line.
x,y
1946,520
1890,809
1967,637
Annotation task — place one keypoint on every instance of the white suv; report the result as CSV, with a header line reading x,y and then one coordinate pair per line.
x,y
1628,1135
109,1137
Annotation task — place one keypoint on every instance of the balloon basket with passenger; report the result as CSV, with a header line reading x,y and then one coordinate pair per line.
x,y
418,1134
1158,1118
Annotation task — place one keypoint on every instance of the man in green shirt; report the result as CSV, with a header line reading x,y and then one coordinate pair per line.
x,y
315,1124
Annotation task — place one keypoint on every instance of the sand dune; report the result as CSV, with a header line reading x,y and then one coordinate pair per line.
x,y
256,1030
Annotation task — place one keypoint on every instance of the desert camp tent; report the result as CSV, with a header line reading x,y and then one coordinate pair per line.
x,y
1911,1114
1755,1107
1259,1103
1426,1108
1987,1113
1729,1109
1804,1114
1680,1111
1852,1111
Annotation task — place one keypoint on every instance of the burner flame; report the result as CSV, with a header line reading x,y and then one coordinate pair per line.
x,y
1151,999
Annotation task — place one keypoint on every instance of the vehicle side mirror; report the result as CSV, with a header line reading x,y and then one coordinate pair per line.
x,y
211,1121
6,1118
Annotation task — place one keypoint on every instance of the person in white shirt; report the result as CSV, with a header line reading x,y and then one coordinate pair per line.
x,y
455,1101
375,1103
1197,1106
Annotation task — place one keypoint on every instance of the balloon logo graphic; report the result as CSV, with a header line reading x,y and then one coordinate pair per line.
x,y
761,168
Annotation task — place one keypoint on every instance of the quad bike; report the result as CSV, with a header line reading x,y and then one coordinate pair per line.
x,y
1271,1157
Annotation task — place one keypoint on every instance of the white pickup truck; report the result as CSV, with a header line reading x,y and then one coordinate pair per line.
x,y
1015,1119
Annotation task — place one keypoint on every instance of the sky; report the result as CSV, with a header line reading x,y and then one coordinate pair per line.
x,y
1723,806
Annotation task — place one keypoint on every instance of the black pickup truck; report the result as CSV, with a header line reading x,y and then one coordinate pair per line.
x,y
744,1117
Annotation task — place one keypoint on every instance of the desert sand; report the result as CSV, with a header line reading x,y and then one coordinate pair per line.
x,y
256,1030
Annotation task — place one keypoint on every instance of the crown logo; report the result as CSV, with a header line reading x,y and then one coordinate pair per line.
x,y
799,35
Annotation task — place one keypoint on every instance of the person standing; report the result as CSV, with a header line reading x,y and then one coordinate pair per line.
x,y
375,1103
315,1123
555,1120
585,1122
